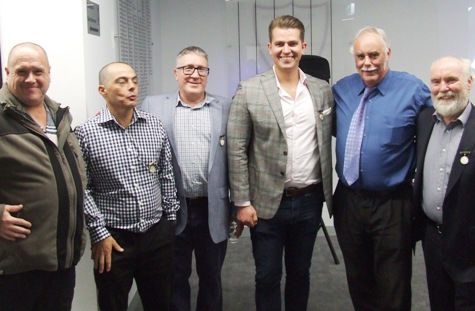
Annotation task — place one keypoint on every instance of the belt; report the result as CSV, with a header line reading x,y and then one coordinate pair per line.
x,y
371,193
293,192
436,226
197,200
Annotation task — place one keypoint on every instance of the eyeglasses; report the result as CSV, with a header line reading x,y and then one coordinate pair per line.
x,y
189,70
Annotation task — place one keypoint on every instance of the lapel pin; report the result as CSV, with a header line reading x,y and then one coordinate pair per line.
x,y
152,166
464,157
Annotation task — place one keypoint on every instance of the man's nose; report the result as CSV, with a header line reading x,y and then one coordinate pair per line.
x,y
30,77
367,60
444,87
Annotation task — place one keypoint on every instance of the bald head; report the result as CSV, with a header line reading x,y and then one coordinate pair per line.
x,y
21,48
108,70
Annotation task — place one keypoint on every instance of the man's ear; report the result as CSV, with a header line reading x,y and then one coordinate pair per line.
x,y
102,89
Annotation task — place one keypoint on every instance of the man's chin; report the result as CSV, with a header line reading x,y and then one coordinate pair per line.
x,y
287,65
191,88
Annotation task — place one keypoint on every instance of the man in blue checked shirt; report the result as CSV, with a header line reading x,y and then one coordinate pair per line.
x,y
131,201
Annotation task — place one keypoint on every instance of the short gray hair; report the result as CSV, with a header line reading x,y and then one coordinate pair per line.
x,y
192,49
368,29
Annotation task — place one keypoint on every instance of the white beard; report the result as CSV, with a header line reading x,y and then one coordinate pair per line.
x,y
453,106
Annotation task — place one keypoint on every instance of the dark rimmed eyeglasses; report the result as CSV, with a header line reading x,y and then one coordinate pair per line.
x,y
189,70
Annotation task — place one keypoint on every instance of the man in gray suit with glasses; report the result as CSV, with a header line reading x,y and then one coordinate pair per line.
x,y
195,122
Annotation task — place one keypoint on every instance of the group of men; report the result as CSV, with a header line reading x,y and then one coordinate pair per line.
x,y
151,181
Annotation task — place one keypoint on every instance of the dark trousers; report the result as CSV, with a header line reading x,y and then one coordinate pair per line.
x,y
209,258
374,233
445,293
147,258
292,233
37,290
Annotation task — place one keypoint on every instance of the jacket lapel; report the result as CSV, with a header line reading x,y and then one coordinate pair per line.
x,y
216,116
466,146
272,93
423,138
168,120
317,106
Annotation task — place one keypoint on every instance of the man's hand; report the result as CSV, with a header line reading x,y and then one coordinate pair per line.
x,y
102,253
247,216
13,227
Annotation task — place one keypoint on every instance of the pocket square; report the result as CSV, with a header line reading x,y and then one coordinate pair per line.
x,y
326,111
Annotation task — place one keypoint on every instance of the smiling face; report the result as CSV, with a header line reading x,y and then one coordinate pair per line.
x,y
450,83
119,86
28,74
286,48
191,87
371,58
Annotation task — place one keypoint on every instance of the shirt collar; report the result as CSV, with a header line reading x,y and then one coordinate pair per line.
x,y
106,116
463,118
302,77
208,99
382,86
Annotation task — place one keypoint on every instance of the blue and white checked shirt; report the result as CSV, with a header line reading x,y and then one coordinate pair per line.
x,y
130,176
193,138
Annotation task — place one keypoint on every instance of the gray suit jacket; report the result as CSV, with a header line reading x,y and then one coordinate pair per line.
x,y
164,106
257,147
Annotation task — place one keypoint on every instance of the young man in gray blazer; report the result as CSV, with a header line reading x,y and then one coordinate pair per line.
x,y
196,125
280,167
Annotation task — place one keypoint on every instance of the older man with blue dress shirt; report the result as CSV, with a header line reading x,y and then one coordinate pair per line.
x,y
373,201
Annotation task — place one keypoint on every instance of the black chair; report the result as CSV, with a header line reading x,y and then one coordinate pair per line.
x,y
319,67
316,66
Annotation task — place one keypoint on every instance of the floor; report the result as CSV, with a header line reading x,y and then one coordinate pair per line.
x,y
328,291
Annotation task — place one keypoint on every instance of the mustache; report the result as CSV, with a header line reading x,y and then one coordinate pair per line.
x,y
446,94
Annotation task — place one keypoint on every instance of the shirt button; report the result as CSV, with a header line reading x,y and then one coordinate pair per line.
x,y
285,153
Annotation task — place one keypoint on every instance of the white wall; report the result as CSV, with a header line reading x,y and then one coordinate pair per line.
x,y
177,24
420,31
59,34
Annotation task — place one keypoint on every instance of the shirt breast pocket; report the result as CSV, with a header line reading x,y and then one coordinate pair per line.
x,y
396,131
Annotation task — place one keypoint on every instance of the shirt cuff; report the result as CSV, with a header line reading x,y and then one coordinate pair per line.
x,y
98,234
242,203
170,217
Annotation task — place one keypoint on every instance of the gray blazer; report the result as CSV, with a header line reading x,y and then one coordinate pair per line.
x,y
257,147
164,106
